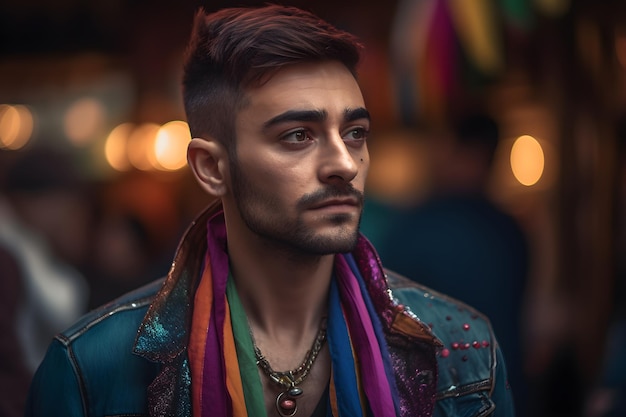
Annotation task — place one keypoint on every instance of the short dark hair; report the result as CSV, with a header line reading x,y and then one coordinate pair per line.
x,y
237,48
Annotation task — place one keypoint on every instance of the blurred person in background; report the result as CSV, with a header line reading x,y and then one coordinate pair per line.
x,y
137,222
607,398
459,242
44,226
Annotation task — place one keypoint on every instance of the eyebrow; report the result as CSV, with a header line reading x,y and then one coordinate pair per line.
x,y
297,116
350,115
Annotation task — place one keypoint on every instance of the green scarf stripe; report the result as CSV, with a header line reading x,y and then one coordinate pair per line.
x,y
252,388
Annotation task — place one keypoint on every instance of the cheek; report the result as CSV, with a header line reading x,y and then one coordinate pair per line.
x,y
364,161
278,179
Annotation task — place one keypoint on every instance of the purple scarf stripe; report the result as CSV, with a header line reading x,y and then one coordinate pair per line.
x,y
215,398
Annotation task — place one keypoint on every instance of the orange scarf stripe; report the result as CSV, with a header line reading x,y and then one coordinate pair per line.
x,y
332,393
203,302
233,375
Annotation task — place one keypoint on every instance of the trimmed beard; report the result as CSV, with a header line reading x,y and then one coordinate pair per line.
x,y
293,235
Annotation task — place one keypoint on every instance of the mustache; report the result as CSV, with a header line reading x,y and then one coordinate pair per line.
x,y
328,193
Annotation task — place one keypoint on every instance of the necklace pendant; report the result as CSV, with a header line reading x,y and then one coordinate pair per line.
x,y
286,403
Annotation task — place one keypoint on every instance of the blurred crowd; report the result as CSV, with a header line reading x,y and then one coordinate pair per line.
x,y
69,244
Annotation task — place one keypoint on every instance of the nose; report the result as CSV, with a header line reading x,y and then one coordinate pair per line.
x,y
339,163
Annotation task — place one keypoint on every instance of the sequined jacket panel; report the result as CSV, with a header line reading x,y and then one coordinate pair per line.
x,y
104,366
471,369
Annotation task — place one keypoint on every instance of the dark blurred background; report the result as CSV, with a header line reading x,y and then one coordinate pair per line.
x,y
95,194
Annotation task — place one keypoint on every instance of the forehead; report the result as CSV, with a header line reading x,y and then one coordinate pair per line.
x,y
327,85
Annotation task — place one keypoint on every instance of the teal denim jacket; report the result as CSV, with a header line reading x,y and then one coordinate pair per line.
x,y
129,358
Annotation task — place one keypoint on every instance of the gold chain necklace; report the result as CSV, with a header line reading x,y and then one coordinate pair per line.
x,y
286,404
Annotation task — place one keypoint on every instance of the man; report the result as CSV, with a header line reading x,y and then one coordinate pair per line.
x,y
275,305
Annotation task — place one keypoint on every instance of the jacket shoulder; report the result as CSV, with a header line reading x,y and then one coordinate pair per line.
x,y
131,305
94,359
467,360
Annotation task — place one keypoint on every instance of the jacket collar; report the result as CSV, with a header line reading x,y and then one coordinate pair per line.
x,y
163,334
396,318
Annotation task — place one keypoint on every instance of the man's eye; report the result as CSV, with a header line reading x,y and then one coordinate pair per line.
x,y
356,134
296,137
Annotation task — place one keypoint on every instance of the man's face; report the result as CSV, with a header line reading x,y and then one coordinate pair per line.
x,y
301,159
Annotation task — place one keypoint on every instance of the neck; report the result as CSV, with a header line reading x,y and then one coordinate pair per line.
x,y
283,293
278,293
285,302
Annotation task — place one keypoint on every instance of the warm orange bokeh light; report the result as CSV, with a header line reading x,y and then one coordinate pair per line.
x,y
170,147
115,147
140,148
527,160
16,126
148,146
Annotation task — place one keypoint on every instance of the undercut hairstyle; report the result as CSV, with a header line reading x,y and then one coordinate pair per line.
x,y
239,48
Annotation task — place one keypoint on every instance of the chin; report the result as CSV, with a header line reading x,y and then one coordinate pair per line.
x,y
339,242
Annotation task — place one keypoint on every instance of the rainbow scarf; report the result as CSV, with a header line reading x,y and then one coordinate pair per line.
x,y
225,379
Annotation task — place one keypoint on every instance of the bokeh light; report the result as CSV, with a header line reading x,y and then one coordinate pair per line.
x,y
16,126
527,160
170,147
83,120
140,147
115,147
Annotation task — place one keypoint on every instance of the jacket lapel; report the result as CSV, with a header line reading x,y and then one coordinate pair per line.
x,y
163,335
411,344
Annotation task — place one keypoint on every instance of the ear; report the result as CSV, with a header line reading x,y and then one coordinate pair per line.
x,y
208,160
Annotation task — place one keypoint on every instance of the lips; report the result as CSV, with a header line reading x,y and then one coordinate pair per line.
x,y
335,202
330,197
